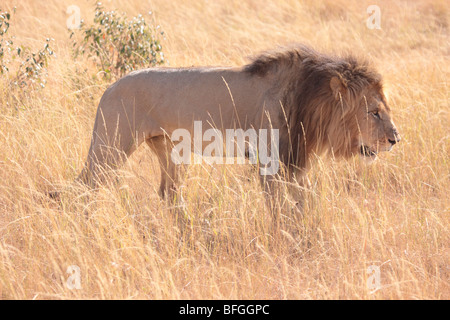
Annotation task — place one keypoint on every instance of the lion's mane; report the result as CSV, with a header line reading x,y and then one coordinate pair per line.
x,y
315,119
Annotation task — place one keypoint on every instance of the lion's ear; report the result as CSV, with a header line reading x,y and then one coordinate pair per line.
x,y
337,87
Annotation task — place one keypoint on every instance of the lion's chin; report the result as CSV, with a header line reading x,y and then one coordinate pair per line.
x,y
367,154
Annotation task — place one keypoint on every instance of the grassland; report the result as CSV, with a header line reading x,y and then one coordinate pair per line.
x,y
129,244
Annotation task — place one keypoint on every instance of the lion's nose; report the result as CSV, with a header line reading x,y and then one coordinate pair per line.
x,y
396,138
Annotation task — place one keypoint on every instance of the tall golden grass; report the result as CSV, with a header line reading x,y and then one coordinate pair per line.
x,y
128,243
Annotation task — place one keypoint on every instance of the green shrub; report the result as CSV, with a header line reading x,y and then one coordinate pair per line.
x,y
30,67
118,45
5,44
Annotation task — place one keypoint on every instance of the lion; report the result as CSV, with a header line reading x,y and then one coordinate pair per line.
x,y
319,104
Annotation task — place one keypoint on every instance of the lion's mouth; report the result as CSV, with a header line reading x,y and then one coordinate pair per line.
x,y
367,152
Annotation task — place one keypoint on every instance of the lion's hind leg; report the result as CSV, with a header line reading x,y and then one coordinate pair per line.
x,y
102,161
106,155
162,147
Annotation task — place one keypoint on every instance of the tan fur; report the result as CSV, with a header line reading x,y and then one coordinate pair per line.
x,y
319,103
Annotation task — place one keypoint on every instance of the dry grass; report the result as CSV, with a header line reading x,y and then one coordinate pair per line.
x,y
393,214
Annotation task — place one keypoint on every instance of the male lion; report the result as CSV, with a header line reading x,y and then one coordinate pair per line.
x,y
318,103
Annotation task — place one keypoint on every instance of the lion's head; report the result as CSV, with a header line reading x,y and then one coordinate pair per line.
x,y
378,132
366,117
332,104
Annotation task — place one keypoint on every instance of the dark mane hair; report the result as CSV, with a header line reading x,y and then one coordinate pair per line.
x,y
314,115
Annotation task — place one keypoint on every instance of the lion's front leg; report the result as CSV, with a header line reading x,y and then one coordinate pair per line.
x,y
284,191
299,186
275,197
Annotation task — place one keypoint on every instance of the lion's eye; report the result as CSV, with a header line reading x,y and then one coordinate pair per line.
x,y
376,114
